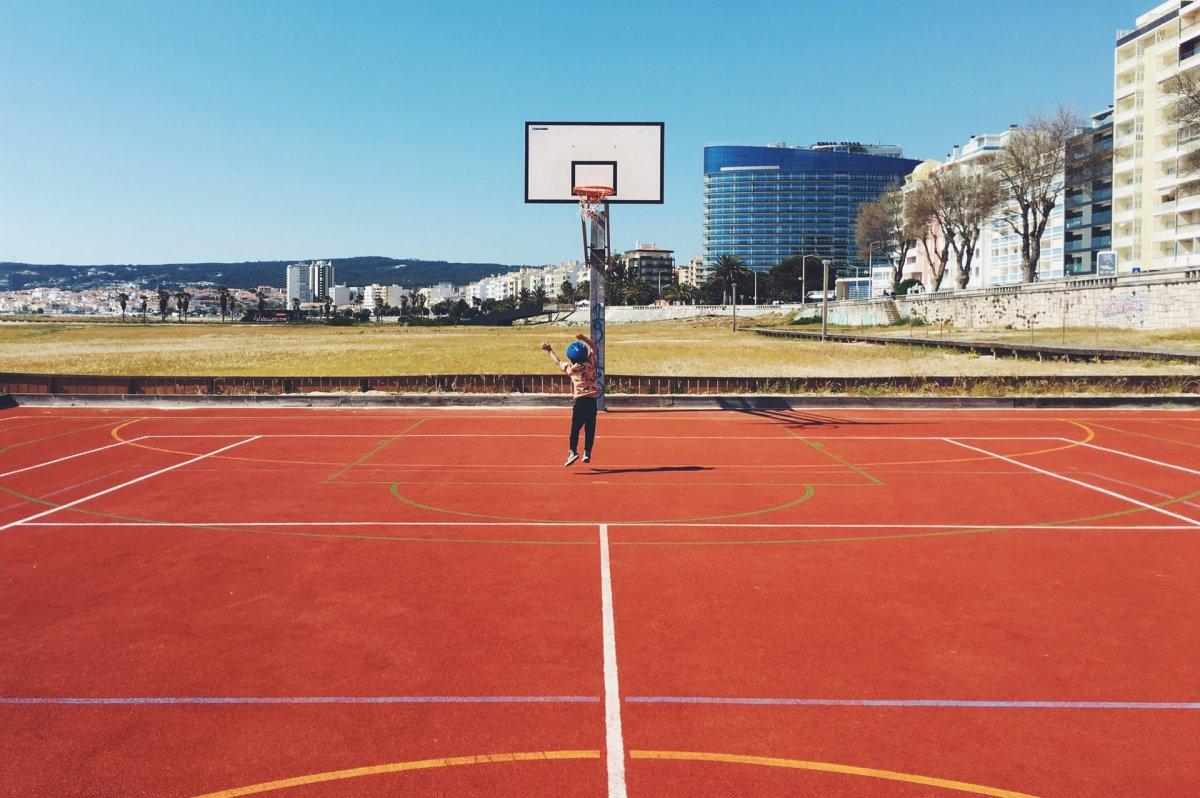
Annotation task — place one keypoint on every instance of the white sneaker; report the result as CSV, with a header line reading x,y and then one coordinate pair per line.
x,y
571,458
587,457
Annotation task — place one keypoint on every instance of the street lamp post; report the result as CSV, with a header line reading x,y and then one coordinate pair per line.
x,y
824,299
871,264
734,306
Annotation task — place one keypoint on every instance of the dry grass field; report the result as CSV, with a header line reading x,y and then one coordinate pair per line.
x,y
1175,340
692,347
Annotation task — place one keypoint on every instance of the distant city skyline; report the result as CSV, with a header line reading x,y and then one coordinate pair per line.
x,y
250,131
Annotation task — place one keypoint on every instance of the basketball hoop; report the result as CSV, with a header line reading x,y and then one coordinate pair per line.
x,y
590,198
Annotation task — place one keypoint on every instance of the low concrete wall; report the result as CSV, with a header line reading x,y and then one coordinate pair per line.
x,y
1159,301
625,314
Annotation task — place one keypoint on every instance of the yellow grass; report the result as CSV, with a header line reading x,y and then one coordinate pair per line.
x,y
700,347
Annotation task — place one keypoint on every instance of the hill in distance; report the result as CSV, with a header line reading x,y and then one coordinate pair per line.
x,y
410,273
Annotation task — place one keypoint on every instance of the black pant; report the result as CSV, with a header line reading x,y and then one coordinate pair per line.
x,y
583,416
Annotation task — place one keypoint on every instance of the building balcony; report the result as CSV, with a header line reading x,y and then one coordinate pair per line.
x,y
1127,190
1189,203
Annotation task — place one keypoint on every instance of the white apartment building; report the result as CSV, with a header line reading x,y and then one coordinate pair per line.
x,y
510,284
1155,211
341,295
694,272
997,259
309,281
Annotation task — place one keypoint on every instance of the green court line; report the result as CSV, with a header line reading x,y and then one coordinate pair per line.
x,y
367,456
820,447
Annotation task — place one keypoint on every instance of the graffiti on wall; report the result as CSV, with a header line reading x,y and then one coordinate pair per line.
x,y
1132,307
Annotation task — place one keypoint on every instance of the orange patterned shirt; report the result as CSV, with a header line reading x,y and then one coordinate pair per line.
x,y
583,377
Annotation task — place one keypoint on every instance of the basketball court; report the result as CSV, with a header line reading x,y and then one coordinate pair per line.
x,y
339,602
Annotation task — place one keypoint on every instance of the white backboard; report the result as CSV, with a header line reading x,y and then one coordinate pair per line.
x,y
625,155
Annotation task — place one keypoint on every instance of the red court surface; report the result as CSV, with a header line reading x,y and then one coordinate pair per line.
x,y
425,602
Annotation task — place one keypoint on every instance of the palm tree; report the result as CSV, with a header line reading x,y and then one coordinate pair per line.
x,y
525,296
639,291
295,308
123,300
223,295
404,303
182,299
164,302
566,293
326,305
729,270
379,305
142,308
261,301
539,296
674,293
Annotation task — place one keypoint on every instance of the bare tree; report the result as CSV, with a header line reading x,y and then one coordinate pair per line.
x,y
966,199
1184,91
1030,170
882,221
925,217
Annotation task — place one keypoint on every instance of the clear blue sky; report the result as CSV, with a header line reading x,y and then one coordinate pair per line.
x,y
172,131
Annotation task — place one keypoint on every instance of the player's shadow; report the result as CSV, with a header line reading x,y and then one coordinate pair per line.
x,y
654,470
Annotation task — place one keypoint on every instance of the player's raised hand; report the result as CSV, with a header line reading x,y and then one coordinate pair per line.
x,y
545,347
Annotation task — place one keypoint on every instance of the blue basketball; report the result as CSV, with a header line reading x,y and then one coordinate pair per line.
x,y
577,352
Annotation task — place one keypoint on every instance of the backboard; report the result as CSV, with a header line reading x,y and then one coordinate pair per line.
x,y
625,155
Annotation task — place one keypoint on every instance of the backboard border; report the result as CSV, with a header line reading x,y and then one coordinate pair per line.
x,y
662,164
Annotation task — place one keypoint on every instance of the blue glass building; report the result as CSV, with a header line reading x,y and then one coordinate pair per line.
x,y
766,203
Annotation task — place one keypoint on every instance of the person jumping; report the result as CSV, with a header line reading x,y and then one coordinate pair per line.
x,y
581,368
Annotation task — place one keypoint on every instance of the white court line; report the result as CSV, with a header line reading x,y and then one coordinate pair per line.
x,y
1143,459
614,742
626,437
1078,482
133,481
1142,488
71,456
1191,527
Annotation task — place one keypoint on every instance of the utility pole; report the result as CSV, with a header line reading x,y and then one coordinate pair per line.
x,y
824,299
735,307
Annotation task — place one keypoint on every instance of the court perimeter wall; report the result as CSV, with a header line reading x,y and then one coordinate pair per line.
x,y
1164,300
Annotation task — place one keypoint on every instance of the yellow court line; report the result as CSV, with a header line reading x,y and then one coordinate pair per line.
x,y
1151,437
368,455
400,767
808,494
53,437
831,767
551,756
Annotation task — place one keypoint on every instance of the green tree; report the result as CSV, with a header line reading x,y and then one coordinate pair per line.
x,y
539,296
566,293
224,296
784,278
728,270
164,303
639,291
123,300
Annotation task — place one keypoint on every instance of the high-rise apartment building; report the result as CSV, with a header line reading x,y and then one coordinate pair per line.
x,y
765,204
308,282
1088,194
1155,206
655,265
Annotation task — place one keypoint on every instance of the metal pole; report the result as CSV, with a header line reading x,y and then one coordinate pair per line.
x,y
735,307
824,299
803,282
595,250
756,287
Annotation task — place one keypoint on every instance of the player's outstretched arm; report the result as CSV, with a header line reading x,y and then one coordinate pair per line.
x,y
545,347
